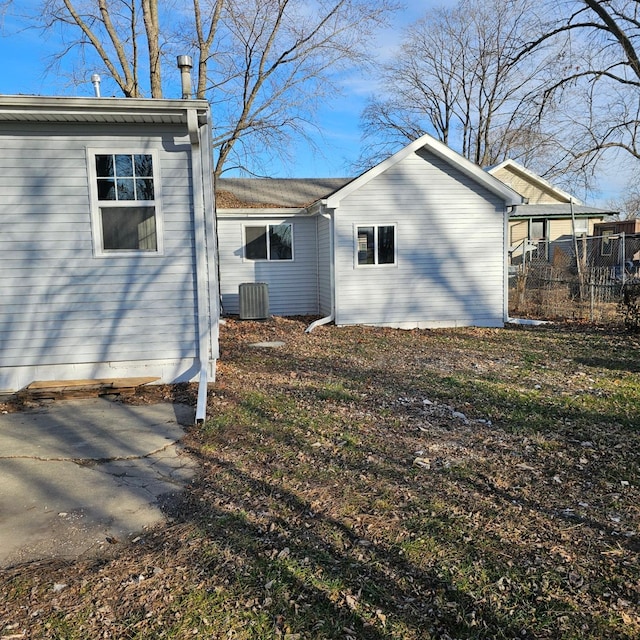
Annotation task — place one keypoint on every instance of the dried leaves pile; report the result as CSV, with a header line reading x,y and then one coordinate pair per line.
x,y
372,483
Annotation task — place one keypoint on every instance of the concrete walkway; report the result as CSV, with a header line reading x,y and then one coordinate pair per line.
x,y
77,475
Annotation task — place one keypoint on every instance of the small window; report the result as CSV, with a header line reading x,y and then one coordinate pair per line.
x,y
606,247
581,226
376,244
269,242
538,229
126,214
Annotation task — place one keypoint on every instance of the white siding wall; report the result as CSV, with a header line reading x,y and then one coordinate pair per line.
x,y
293,285
450,250
59,305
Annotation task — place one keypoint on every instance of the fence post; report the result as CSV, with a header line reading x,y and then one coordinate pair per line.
x,y
624,258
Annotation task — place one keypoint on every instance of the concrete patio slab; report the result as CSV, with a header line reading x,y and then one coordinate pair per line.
x,y
76,475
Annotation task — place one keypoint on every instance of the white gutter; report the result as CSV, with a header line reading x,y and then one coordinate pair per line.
x,y
202,276
331,317
505,263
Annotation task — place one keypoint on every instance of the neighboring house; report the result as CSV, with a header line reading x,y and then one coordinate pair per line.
x,y
618,243
547,216
417,241
108,240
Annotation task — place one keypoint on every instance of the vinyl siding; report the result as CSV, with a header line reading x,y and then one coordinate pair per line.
x,y
293,284
535,193
60,304
518,231
450,249
560,229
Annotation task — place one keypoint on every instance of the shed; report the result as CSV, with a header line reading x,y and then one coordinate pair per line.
x,y
108,240
417,241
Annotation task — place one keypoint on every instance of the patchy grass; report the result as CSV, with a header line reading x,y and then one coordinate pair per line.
x,y
380,484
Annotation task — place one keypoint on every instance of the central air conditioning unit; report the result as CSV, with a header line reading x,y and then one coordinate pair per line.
x,y
254,301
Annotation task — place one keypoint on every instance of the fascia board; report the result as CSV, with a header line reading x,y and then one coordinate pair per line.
x,y
516,166
439,149
61,109
260,213
473,171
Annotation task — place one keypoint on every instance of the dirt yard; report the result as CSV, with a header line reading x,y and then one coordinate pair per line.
x,y
361,483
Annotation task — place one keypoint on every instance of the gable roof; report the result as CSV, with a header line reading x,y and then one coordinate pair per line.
x,y
534,179
443,152
274,193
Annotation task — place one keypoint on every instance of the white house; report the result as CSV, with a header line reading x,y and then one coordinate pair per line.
x,y
108,240
418,241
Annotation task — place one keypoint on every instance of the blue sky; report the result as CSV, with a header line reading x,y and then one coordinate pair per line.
x,y
26,53
338,143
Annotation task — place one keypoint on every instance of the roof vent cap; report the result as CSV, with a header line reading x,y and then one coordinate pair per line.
x,y
95,81
185,64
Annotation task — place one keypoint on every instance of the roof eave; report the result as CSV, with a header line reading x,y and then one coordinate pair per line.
x,y
439,149
257,212
516,166
558,215
66,109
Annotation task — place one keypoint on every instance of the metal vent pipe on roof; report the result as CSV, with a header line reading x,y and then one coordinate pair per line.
x,y
95,81
185,64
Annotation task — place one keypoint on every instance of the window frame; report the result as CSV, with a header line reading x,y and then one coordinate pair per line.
x,y
545,229
606,242
584,224
266,226
375,264
97,205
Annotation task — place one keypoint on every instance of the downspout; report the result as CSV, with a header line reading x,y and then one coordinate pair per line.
x,y
202,276
505,268
331,317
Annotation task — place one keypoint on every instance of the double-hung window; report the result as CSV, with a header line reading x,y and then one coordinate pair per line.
x,y
126,212
376,244
268,241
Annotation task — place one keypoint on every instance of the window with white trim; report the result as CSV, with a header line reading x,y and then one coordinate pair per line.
x,y
268,241
581,226
126,212
376,244
606,243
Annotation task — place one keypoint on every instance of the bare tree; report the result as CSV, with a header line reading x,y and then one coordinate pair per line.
x,y
265,65
459,76
628,205
602,40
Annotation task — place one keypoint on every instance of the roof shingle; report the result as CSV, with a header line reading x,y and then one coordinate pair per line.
x,y
276,193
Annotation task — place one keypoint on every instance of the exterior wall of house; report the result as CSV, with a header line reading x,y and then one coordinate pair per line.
x,y
560,228
535,193
293,284
324,264
450,242
518,231
66,313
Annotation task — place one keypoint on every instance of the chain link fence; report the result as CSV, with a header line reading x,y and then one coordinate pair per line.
x,y
576,278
